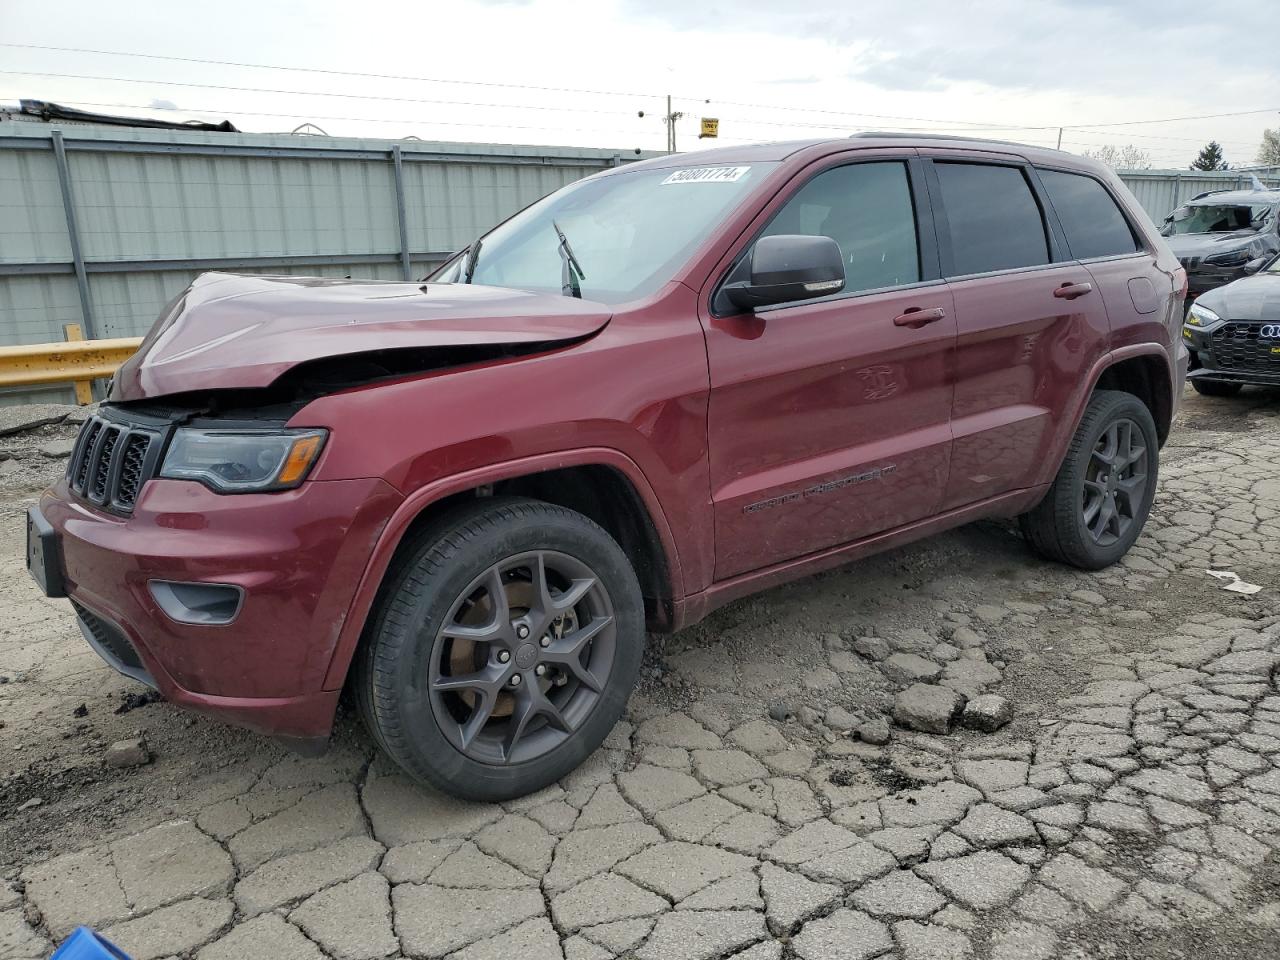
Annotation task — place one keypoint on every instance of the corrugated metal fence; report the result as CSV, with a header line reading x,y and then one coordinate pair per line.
x,y
1159,191
102,226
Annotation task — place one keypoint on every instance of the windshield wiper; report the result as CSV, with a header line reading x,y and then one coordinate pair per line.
x,y
469,269
570,269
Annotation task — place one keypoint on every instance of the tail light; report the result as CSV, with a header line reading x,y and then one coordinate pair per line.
x,y
1180,282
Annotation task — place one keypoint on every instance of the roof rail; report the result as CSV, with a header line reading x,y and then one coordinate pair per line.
x,y
894,134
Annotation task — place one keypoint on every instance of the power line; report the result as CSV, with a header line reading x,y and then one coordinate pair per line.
x,y
1205,116
879,116
312,116
478,83
955,124
844,126
207,112
535,87
1146,136
334,73
313,93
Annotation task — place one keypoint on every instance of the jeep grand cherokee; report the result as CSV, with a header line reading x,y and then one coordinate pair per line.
x,y
659,389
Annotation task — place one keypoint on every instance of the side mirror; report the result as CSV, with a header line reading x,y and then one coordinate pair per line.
x,y
1253,266
789,267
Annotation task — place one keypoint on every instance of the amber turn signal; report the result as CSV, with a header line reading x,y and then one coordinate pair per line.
x,y
301,456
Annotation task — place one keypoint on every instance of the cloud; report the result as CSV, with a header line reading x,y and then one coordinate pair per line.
x,y
158,104
1072,46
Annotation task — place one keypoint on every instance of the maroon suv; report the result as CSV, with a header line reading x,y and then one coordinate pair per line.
x,y
657,390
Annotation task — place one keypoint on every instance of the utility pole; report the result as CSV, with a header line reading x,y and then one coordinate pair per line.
x,y
671,118
1059,138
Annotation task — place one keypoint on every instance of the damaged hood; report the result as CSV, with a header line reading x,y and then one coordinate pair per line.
x,y
231,331
1186,245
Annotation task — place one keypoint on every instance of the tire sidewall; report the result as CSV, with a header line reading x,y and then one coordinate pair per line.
x,y
424,751
1120,407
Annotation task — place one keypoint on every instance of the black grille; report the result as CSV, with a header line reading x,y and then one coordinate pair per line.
x,y
103,463
109,638
111,462
1238,345
131,465
78,469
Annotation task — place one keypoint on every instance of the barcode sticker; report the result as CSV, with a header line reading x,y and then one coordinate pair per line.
x,y
707,175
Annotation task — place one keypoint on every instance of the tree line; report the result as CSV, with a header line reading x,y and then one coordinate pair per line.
x,y
1210,157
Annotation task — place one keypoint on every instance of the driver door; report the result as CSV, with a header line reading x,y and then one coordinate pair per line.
x,y
829,419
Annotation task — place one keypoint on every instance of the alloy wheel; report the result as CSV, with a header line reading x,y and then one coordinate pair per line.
x,y
1115,482
523,657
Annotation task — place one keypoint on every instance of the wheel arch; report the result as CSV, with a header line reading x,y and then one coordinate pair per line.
x,y
1147,376
1144,370
603,484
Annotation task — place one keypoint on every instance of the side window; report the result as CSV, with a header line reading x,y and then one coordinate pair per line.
x,y
867,209
1094,225
994,220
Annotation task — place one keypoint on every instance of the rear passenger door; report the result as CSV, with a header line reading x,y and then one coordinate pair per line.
x,y
1100,236
1029,323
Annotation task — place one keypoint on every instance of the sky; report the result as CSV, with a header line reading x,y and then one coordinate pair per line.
x,y
560,72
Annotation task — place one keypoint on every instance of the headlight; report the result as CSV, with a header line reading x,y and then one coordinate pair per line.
x,y
1199,316
243,461
1234,258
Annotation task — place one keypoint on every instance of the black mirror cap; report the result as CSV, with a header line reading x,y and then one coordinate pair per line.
x,y
790,267
1253,266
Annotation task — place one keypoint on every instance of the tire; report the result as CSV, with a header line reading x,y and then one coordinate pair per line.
x,y
1061,526
1216,388
430,681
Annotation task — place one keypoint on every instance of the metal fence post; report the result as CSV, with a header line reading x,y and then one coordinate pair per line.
x,y
73,232
398,162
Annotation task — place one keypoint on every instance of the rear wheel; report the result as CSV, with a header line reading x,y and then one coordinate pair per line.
x,y
504,649
1102,494
1216,388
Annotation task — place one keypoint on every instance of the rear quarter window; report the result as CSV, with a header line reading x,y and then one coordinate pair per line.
x,y
993,218
1093,223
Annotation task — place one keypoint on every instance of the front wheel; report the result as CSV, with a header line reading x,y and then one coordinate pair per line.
x,y
1102,494
505,645
1215,388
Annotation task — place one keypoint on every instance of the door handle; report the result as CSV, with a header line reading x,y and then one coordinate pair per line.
x,y
916,317
1069,291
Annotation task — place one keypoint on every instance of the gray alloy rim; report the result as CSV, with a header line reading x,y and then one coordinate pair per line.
x,y
1115,482
523,657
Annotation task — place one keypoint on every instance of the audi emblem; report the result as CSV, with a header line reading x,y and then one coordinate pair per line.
x,y
1270,331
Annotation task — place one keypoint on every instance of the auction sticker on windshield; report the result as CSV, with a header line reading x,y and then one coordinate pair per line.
x,y
707,175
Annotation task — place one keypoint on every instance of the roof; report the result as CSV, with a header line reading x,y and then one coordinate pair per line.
x,y
782,150
1228,198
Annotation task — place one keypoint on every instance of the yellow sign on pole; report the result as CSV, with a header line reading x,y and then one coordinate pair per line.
x,y
710,127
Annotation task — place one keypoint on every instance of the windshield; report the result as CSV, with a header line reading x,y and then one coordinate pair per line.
x,y
1216,219
629,232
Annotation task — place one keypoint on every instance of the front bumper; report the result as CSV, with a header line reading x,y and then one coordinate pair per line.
x,y
296,556
1233,351
1203,277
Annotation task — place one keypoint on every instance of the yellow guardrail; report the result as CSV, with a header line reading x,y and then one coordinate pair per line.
x,y
77,361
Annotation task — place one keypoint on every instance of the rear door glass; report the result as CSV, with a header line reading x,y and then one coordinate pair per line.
x,y
993,218
1093,223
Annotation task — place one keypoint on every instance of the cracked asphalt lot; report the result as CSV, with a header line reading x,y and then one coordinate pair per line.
x,y
1131,808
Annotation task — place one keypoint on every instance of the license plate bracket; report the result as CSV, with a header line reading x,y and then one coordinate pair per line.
x,y
44,558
